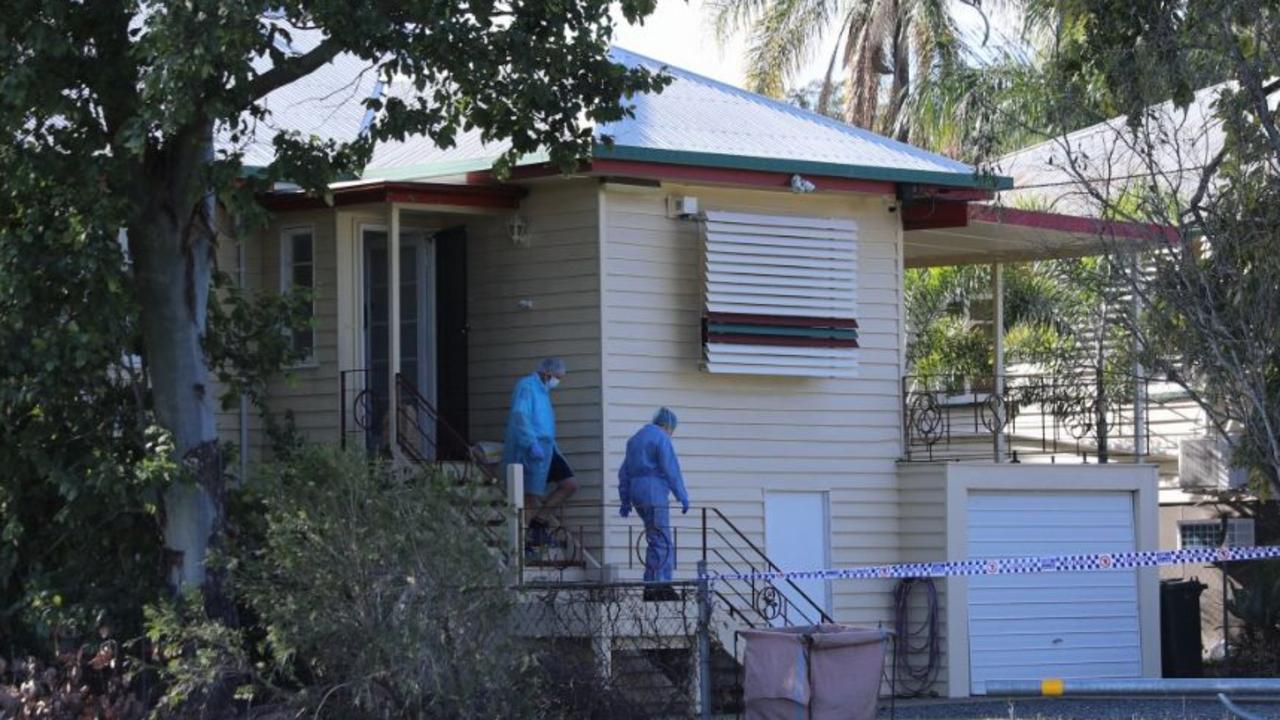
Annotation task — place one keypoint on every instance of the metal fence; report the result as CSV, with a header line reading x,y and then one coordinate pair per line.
x,y
1080,415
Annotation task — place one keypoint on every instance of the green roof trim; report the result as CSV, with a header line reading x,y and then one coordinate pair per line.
x,y
856,172
770,331
428,170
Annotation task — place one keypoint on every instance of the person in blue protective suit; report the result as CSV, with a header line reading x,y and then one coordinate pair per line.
x,y
649,475
531,442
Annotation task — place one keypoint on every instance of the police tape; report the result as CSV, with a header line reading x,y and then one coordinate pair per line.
x,y
1020,565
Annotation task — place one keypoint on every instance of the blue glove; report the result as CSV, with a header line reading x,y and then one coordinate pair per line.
x,y
535,452
684,507
625,511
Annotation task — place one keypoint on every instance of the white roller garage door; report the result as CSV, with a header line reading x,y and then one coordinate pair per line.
x,y
1070,625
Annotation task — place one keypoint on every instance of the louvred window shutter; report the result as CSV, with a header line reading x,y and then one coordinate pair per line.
x,y
780,295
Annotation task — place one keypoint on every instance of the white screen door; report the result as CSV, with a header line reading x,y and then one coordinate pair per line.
x,y
797,538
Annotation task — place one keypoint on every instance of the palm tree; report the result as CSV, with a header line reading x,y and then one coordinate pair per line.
x,y
881,46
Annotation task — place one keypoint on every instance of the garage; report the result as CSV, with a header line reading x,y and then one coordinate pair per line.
x,y
1044,625
1030,627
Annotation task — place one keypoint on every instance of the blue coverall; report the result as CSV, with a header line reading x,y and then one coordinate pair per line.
x,y
532,423
648,474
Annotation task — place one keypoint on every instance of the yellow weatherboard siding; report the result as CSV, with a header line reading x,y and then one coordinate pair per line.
x,y
741,436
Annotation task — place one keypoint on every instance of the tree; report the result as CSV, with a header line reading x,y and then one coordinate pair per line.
x,y
113,108
1199,168
897,39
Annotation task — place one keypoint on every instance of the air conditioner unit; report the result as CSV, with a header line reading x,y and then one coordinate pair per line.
x,y
1205,464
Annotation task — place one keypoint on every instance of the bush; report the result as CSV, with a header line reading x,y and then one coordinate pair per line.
x,y
1257,604
379,598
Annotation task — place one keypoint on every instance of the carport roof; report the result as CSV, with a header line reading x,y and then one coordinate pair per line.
x,y
1001,234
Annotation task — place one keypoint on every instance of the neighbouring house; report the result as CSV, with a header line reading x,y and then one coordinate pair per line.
x,y
740,260
1204,501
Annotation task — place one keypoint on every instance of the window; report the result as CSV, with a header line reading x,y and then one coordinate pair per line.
x,y
297,273
1199,534
1240,532
780,295
1209,533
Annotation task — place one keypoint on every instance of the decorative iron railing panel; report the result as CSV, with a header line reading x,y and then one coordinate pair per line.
x,y
1080,415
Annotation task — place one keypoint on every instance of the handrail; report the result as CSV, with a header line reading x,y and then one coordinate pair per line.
x,y
773,567
408,395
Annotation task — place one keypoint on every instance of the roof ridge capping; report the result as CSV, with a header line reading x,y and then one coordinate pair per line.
x,y
949,172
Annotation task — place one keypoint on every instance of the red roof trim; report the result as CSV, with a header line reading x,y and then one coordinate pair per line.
x,y
485,196
724,176
1070,223
934,214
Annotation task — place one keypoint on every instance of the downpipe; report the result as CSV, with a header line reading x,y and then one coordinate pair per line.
x,y
1054,687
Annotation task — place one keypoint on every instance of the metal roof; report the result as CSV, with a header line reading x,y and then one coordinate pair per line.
x,y
694,121
1170,149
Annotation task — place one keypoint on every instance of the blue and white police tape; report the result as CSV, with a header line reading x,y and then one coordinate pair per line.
x,y
1021,565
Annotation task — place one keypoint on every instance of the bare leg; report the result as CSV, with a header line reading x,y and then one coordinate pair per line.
x,y
532,508
565,490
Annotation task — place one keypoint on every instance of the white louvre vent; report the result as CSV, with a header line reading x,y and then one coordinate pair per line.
x,y
780,295
1204,463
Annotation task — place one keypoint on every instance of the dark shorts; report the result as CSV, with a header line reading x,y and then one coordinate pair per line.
x,y
559,471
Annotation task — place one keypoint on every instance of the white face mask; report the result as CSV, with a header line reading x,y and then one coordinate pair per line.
x,y
552,382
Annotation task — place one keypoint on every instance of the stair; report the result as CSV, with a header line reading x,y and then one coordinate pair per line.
x,y
726,682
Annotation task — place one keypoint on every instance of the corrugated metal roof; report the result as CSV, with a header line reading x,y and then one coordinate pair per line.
x,y
698,114
695,120
1170,150
327,104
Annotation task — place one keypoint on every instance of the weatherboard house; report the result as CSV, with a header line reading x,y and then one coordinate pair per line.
x,y
740,260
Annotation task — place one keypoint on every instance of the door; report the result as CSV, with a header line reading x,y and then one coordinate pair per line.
x,y
451,349
796,537
1052,625
417,328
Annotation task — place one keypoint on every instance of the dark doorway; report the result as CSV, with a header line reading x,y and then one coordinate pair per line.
x,y
451,329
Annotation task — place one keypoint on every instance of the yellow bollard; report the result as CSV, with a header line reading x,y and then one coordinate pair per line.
x,y
1051,687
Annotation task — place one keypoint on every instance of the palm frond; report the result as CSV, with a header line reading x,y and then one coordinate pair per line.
x,y
730,17
783,39
828,80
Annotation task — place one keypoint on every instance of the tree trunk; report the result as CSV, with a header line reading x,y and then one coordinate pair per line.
x,y
901,85
172,244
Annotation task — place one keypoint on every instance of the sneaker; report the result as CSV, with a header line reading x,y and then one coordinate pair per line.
x,y
538,534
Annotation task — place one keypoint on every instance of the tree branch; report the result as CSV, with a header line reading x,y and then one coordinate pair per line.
x,y
284,73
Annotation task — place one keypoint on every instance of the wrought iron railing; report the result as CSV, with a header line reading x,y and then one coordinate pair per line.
x,y
364,410
1078,414
426,438
704,534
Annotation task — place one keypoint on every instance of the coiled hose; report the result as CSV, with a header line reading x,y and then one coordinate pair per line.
x,y
915,640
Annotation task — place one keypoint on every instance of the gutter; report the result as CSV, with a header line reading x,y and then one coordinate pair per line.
x,y
828,169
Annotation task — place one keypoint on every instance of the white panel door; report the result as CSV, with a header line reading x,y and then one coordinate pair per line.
x,y
1067,625
796,537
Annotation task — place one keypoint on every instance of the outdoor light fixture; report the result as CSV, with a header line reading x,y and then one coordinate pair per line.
x,y
800,185
518,231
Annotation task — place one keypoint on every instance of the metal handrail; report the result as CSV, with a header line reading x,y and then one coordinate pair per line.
x,y
407,395
773,567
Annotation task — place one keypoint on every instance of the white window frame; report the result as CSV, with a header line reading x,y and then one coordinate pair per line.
x,y
287,235
1231,532
1215,526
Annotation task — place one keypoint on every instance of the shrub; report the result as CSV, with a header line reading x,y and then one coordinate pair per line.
x,y
379,598
1257,604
